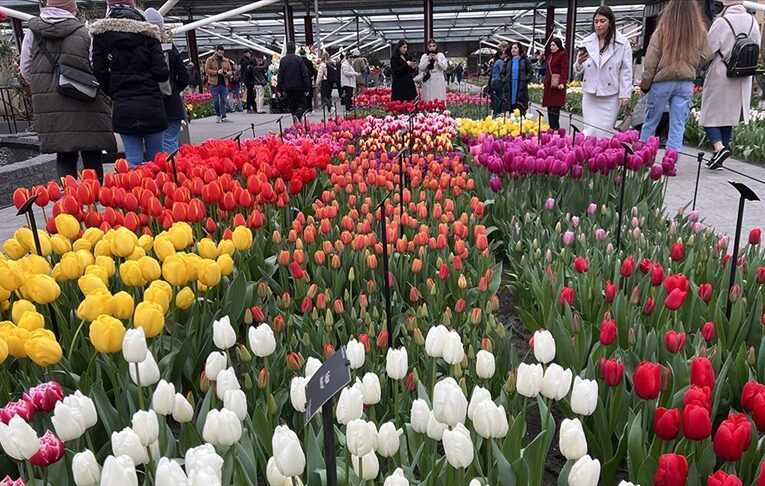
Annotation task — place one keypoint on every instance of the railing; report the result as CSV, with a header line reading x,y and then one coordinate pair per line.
x,y
15,109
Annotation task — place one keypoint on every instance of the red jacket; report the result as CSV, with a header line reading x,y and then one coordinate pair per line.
x,y
556,64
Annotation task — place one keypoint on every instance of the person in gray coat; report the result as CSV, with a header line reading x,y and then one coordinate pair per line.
x,y
66,126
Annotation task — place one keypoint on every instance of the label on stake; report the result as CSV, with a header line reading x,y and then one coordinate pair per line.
x,y
332,377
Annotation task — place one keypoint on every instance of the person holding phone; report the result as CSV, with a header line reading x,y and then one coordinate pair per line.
x,y
555,81
432,67
607,68
403,69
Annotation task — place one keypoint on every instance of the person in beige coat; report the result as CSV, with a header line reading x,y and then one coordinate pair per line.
x,y
726,101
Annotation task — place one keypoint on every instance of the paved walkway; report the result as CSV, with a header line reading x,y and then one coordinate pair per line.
x,y
717,200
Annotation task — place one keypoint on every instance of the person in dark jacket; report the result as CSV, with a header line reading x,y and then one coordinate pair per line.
x,y
195,78
294,81
179,79
555,81
247,80
312,72
403,69
259,70
129,64
516,80
65,126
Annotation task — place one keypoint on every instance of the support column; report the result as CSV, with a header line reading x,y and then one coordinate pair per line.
x,y
532,51
318,27
427,10
18,32
289,23
550,21
191,42
571,34
308,26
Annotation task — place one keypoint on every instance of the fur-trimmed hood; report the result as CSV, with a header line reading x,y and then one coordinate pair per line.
x,y
125,26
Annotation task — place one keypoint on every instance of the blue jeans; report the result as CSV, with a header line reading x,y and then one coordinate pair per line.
x,y
678,95
138,145
220,97
171,137
235,100
719,134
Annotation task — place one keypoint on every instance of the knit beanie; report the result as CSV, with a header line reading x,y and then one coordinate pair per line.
x,y
68,5
114,3
154,17
730,3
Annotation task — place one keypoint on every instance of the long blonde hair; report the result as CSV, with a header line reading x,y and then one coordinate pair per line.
x,y
682,30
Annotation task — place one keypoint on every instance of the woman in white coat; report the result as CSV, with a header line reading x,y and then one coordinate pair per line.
x,y
347,82
432,66
607,68
725,101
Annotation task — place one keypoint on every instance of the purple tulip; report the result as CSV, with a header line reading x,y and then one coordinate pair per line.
x,y
495,183
693,216
656,172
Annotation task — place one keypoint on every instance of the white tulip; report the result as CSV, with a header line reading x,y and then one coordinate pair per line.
x,y
396,479
85,407
484,364
396,363
236,401
154,450
201,458
127,443
297,393
224,336
215,363
226,381
67,421
490,421
544,346
288,453
170,473
556,382
274,477
475,482
312,365
119,470
146,426
419,416
204,477
584,472
458,447
479,395
626,483
584,396
434,341
360,437
183,412
370,463
134,345
572,441
85,469
163,399
529,380
453,352
262,340
147,370
449,403
222,427
370,388
350,406
355,353
388,440
435,429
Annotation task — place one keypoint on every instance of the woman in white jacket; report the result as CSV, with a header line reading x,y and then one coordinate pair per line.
x,y
432,66
607,68
347,82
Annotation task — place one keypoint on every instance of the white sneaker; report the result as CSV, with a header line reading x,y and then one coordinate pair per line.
x,y
217,119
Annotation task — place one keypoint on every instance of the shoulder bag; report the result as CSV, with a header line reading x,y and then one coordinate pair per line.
x,y
72,82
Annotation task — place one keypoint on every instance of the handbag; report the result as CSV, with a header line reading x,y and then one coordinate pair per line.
x,y
554,81
72,82
623,119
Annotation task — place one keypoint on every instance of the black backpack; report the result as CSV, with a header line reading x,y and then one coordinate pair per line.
x,y
744,56
332,76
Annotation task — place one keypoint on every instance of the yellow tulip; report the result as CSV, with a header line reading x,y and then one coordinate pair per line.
x,y
130,274
242,238
86,257
209,272
15,337
163,247
137,254
94,305
60,244
89,283
106,334
193,261
226,264
71,266
11,275
67,225
227,247
35,264
164,287
174,270
32,321
158,296
123,242
43,289
99,272
102,248
3,350
5,294
178,237
150,268
107,263
82,244
43,351
184,298
150,317
20,307
26,238
93,235
207,249
121,305
146,242
13,248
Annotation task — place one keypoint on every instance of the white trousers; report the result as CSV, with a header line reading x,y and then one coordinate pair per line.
x,y
258,98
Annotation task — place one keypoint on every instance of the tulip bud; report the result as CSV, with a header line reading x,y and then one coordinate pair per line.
x,y
750,356
735,293
248,385
635,295
262,378
243,354
204,383
631,338
263,290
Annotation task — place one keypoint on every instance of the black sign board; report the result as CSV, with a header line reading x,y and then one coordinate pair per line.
x,y
333,375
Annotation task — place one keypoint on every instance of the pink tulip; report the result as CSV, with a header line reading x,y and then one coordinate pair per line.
x,y
45,395
568,238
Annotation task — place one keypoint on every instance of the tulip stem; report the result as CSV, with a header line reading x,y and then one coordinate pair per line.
x,y
140,390
30,473
489,461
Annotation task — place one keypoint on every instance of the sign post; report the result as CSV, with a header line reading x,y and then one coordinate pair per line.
x,y
627,152
386,278
746,195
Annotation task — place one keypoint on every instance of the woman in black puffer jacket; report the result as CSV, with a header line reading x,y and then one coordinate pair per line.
x,y
129,64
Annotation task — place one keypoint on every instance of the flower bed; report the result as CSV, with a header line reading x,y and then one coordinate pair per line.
x,y
199,105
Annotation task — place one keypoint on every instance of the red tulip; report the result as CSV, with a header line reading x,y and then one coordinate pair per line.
x,y
382,339
459,307
295,270
666,423
702,373
672,470
24,408
675,299
646,265
628,267
657,276
696,422
443,272
306,306
647,380
567,296
610,291
45,395
329,351
678,252
698,395
673,341
607,332
708,331
364,339
761,275
54,191
411,382
748,394
580,265
51,450
733,437
721,478
705,292
761,477
611,371
278,323
649,306
758,412
754,236
42,196
20,196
